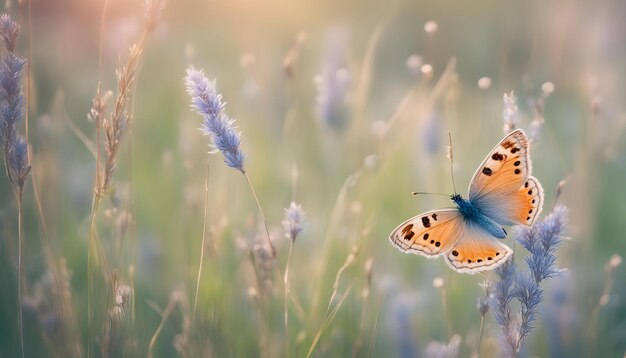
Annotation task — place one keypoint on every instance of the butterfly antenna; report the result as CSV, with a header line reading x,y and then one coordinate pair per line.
x,y
450,156
427,193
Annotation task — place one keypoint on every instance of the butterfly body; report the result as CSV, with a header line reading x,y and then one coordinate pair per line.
x,y
502,192
472,215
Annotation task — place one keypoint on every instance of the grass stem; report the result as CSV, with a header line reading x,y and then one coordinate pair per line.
x,y
287,299
480,337
258,203
19,268
202,247
164,316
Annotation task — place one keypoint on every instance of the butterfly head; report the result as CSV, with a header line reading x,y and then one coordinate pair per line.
x,y
456,198
467,209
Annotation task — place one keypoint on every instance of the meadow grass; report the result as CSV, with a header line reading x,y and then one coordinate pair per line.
x,y
135,237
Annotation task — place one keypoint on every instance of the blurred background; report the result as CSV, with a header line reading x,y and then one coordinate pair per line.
x,y
344,108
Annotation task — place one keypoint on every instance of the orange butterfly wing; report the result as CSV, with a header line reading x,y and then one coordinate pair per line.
x,y
477,251
429,234
503,188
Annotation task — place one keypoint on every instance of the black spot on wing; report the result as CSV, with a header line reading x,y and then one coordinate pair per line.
x,y
426,221
497,156
487,171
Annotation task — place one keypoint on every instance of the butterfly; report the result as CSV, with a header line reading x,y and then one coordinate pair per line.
x,y
502,193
